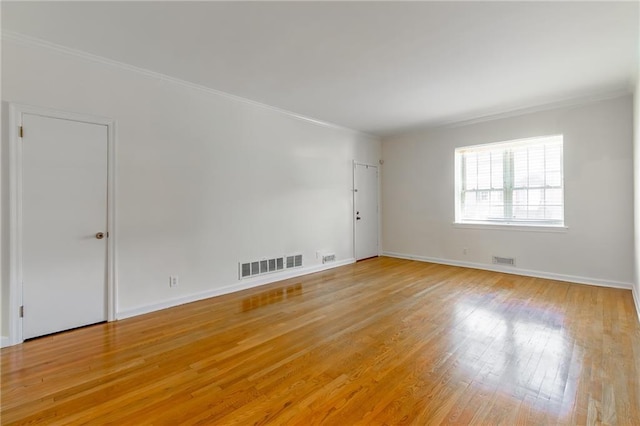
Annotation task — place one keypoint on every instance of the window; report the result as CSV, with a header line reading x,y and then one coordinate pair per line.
x,y
514,183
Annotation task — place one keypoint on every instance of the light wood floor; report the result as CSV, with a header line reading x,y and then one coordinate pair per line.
x,y
384,341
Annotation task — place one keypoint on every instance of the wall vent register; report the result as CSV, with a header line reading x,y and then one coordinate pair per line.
x,y
498,260
267,266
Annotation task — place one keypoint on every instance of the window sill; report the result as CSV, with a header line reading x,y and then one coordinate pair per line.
x,y
512,227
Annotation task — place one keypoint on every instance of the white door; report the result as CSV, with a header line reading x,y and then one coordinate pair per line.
x,y
365,186
64,207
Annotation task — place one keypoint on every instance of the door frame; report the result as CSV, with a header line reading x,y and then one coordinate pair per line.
x,y
353,190
16,112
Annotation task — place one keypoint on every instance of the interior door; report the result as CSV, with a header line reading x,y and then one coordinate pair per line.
x,y
64,210
365,183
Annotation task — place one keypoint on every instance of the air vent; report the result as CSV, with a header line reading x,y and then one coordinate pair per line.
x,y
294,261
509,261
260,267
245,270
329,257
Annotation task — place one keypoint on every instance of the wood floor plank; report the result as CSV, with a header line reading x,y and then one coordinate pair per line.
x,y
383,341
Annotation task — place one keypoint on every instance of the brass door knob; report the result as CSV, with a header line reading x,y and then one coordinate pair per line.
x,y
100,235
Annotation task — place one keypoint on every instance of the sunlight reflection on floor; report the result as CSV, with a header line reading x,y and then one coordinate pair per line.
x,y
526,357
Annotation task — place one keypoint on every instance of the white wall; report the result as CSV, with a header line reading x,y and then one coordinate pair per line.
x,y
203,180
418,196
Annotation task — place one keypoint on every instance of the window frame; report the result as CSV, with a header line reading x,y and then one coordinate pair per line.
x,y
508,186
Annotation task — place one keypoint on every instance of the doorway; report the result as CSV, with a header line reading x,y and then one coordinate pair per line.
x,y
365,211
61,215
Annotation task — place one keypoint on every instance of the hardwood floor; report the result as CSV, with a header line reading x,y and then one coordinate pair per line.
x,y
383,341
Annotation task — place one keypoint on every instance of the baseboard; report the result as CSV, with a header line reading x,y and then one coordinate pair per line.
x,y
4,341
242,285
516,271
636,298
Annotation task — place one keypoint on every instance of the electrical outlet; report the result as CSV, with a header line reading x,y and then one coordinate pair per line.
x,y
173,281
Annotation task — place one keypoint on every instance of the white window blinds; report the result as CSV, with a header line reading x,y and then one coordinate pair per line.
x,y
517,182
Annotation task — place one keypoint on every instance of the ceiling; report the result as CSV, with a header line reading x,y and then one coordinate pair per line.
x,y
377,67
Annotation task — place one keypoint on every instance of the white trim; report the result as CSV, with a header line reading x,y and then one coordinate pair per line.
x,y
242,285
515,271
509,227
636,299
353,207
15,224
4,341
516,111
500,113
380,242
112,270
16,112
513,111
33,41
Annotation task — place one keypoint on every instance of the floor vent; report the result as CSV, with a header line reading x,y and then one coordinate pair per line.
x,y
294,261
329,257
510,261
260,267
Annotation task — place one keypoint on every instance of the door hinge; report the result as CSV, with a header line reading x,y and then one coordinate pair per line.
x,y
22,311
21,131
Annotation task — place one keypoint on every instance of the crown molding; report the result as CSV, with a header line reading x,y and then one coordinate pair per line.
x,y
517,111
539,107
33,41
480,117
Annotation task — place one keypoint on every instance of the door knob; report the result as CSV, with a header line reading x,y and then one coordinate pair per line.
x,y
100,235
